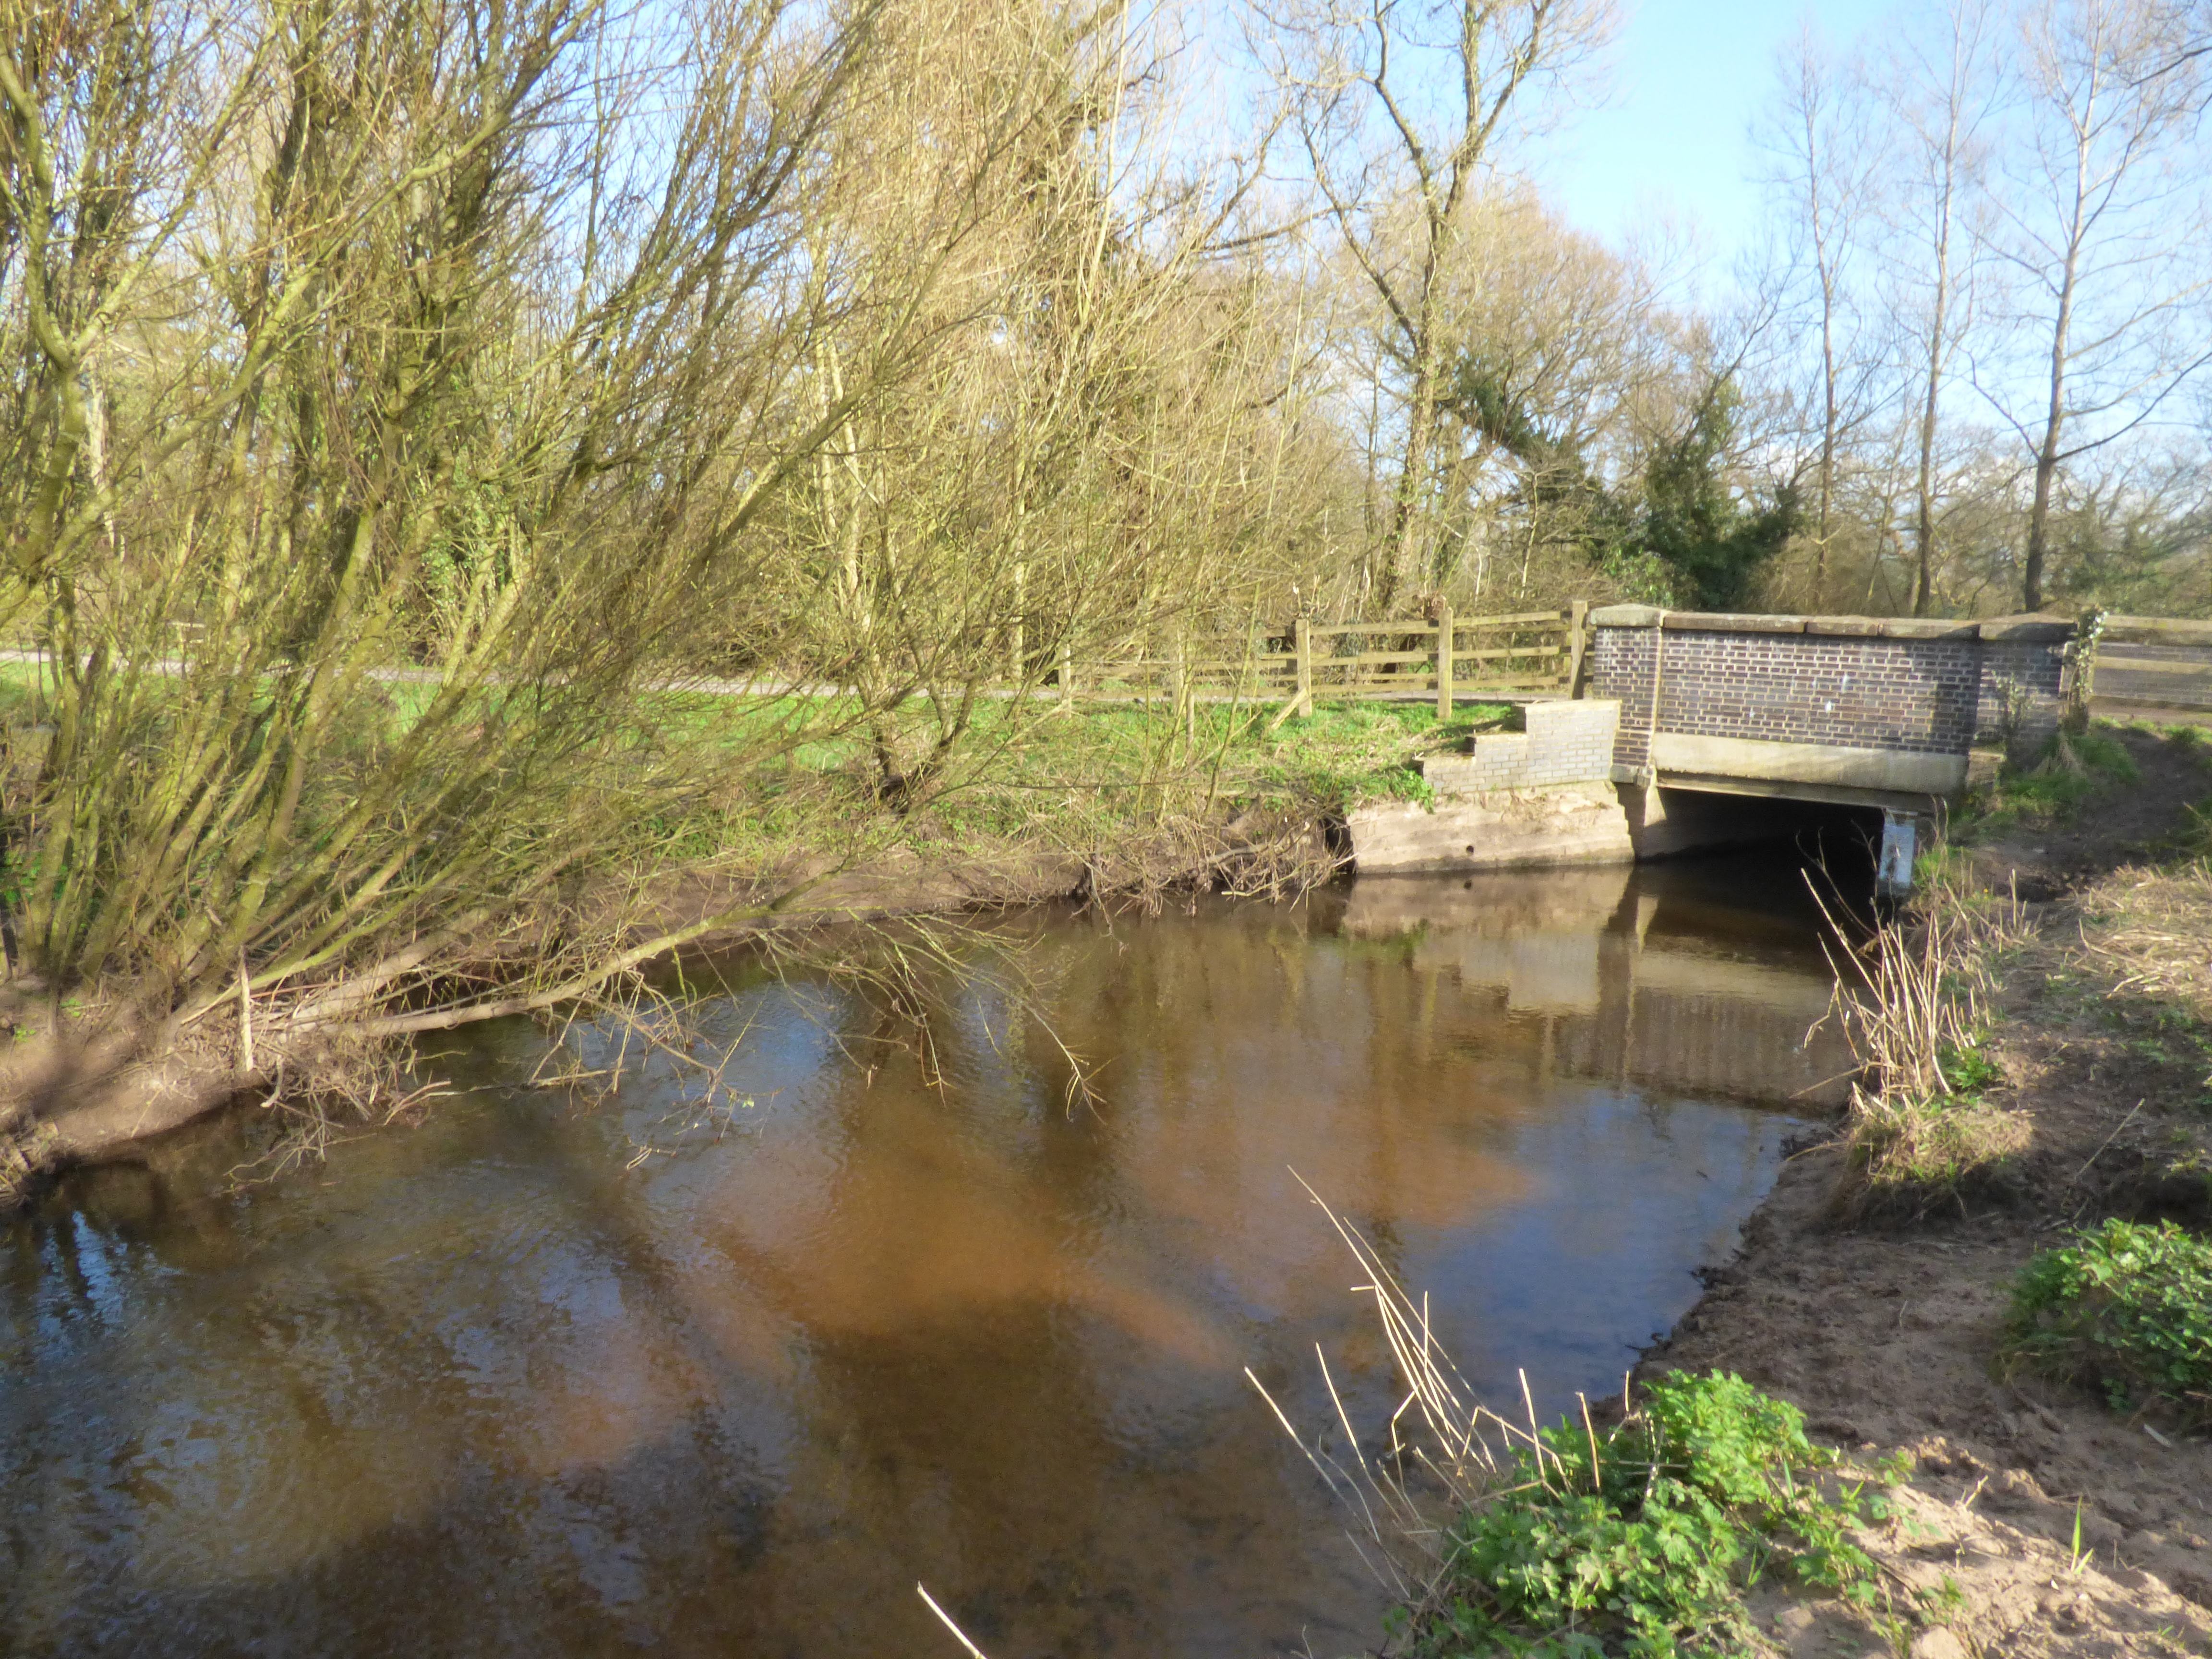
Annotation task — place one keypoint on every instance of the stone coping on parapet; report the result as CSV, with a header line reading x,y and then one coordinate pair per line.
x,y
2031,626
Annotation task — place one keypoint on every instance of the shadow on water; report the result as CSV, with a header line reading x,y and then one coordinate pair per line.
x,y
481,1385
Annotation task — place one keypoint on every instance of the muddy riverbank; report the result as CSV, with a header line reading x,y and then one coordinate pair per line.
x,y
1886,1327
97,1082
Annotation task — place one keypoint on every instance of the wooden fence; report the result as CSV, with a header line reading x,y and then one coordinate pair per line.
x,y
1530,652
2152,663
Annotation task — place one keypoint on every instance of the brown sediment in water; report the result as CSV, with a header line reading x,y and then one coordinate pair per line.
x,y
494,1384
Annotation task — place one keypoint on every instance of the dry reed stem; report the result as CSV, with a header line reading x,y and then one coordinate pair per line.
x,y
2151,930
1912,996
946,1619
1437,1427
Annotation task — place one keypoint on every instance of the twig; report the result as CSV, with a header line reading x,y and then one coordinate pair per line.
x,y
923,1591
2109,1140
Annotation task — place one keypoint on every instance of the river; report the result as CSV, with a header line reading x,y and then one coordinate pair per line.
x,y
526,1377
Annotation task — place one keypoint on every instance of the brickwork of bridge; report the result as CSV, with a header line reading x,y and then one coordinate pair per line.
x,y
1690,730
1855,711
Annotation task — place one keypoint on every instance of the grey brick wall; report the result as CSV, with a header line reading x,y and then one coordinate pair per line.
x,y
1914,696
2034,672
1621,661
1913,687
1566,742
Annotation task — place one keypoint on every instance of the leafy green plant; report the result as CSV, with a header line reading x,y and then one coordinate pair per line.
x,y
1965,1070
2126,1308
1641,1540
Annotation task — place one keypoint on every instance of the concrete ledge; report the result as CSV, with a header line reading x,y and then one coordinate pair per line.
x,y
2031,628
1885,770
1929,628
1573,824
1917,803
1730,621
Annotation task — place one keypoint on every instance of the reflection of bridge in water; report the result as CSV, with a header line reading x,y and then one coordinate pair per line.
x,y
1589,969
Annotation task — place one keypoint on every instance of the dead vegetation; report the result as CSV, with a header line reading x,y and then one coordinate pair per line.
x,y
1913,999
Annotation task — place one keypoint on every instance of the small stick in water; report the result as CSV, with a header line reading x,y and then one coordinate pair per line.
x,y
923,1590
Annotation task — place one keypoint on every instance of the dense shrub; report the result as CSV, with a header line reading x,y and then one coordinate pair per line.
x,y
1640,1539
2126,1308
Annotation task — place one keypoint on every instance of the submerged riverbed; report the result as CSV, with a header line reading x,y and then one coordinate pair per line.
x,y
527,1379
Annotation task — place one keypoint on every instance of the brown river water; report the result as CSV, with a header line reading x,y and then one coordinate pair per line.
x,y
532,1379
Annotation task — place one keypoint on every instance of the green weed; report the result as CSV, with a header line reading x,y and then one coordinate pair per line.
x,y
2126,1308
1967,1071
1642,1540
2074,769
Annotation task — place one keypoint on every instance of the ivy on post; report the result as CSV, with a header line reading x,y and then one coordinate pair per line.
x,y
2080,682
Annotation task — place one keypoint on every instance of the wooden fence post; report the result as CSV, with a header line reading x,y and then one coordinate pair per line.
x,y
1444,642
1302,639
1577,631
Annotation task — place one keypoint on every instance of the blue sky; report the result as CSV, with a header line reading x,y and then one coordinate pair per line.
x,y
1671,139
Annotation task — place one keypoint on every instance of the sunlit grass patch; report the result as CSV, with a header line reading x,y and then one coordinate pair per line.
x,y
1642,1538
2074,769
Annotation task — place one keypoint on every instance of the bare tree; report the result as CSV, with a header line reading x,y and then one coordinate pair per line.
x,y
2101,216
1828,169
1940,93
1402,108
453,354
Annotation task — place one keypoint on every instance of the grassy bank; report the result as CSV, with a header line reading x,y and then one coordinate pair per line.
x,y
1090,776
1033,801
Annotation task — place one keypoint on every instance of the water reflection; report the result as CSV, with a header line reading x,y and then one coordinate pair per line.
x,y
481,1387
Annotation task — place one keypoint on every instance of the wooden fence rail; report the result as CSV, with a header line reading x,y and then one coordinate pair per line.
x,y
1526,652
2154,663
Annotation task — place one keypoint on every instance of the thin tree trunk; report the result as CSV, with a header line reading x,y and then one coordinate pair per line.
x,y
1925,513
2046,453
1413,474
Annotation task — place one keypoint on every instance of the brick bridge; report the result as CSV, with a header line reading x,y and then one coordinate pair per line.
x,y
1691,729
1854,711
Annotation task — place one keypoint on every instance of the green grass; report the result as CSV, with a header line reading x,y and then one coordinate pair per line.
x,y
2073,770
2126,1310
1643,1538
802,775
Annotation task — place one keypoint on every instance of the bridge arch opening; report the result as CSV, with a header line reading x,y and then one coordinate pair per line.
x,y
1846,837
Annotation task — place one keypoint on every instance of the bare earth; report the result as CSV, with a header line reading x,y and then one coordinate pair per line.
x,y
1886,1332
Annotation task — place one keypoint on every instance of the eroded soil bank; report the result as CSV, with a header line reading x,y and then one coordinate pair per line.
x,y
1885,1323
83,1091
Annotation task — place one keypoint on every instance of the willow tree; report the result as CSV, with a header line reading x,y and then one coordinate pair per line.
x,y
1093,461
388,385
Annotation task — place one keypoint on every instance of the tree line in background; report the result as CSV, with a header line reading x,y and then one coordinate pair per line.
x,y
399,393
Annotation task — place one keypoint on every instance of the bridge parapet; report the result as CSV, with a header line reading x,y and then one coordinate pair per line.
x,y
1862,710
